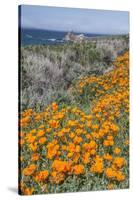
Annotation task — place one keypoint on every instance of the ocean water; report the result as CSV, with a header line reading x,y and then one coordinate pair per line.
x,y
32,36
36,37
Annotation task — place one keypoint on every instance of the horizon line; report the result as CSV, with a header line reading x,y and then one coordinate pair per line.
x,y
41,29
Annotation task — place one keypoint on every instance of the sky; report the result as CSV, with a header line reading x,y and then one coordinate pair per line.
x,y
75,19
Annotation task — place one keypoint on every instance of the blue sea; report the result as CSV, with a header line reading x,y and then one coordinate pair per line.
x,y
46,37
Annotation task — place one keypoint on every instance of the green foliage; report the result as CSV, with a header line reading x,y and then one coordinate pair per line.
x,y
49,70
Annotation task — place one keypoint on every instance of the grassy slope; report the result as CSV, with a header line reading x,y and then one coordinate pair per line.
x,y
84,94
49,71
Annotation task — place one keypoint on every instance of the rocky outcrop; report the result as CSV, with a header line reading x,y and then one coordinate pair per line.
x,y
70,36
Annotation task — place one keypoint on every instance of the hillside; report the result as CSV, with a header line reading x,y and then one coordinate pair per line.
x,y
47,72
75,117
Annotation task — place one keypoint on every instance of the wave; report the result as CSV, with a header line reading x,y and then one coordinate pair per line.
x,y
52,39
29,36
34,39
